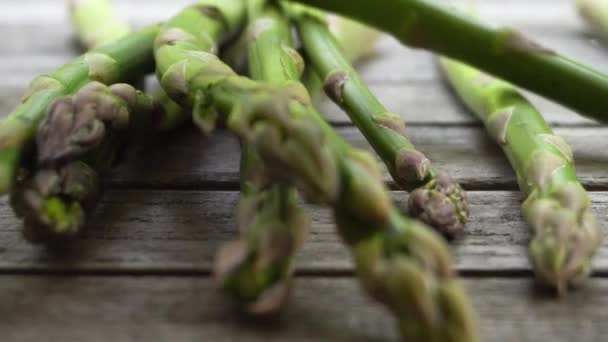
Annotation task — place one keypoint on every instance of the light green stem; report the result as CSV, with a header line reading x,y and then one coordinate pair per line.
x,y
565,232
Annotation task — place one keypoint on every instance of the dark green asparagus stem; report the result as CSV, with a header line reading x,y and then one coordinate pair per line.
x,y
504,52
399,261
123,60
437,200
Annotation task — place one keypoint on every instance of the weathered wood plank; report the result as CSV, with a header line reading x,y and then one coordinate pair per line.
x,y
186,160
179,231
515,12
321,309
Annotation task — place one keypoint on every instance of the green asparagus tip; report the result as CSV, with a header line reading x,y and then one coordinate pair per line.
x,y
260,288
408,268
566,237
257,269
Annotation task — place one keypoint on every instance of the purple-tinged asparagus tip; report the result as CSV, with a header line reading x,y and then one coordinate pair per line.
x,y
442,204
66,133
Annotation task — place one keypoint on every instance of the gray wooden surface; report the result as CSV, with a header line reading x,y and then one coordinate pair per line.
x,y
142,270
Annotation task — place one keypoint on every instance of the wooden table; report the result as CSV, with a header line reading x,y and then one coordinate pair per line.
x,y
142,271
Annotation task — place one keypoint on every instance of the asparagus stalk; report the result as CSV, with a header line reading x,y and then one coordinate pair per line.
x,y
399,261
503,52
595,13
257,269
437,200
119,61
565,232
97,23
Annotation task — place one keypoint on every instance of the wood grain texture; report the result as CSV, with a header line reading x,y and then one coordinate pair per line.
x,y
321,309
142,270
185,160
179,232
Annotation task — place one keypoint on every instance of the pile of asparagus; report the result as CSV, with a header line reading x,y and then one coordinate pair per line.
x,y
236,64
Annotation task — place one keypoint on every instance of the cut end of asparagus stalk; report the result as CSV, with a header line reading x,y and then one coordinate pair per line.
x,y
442,204
54,202
566,236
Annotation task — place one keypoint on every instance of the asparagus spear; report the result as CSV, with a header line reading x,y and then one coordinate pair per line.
x,y
503,52
438,200
565,232
595,13
399,261
257,269
119,61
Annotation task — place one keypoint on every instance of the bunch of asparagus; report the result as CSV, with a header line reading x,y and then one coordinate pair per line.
x,y
72,126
